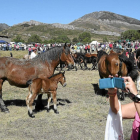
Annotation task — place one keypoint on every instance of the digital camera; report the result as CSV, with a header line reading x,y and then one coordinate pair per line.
x,y
112,83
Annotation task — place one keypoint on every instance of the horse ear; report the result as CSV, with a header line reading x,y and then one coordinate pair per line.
x,y
69,45
65,45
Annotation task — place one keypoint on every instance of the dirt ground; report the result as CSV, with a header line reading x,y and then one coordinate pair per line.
x,y
82,112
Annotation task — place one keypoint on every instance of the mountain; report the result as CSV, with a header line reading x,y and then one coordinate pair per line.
x,y
106,21
3,26
98,24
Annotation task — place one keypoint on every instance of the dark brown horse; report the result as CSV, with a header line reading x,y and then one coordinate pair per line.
x,y
18,72
90,58
48,86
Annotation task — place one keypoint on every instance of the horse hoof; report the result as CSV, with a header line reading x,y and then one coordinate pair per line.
x,y
5,110
48,110
31,115
56,112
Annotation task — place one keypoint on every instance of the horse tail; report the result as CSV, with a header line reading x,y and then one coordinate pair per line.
x,y
11,54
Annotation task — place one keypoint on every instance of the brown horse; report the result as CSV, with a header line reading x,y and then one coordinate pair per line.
x,y
18,72
110,65
116,63
90,58
49,86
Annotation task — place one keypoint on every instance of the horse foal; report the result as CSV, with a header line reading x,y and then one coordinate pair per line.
x,y
48,86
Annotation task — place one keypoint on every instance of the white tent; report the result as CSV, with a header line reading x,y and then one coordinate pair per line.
x,y
94,43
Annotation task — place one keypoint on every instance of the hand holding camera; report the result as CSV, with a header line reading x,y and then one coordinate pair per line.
x,y
125,83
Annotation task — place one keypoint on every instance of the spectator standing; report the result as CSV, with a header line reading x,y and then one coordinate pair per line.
x,y
92,48
4,46
33,54
29,50
88,47
13,46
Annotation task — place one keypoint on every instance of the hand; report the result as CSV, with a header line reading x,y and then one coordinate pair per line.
x,y
130,85
112,91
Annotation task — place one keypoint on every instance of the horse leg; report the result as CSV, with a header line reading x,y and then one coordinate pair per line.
x,y
2,104
85,63
49,100
39,105
75,66
55,102
29,101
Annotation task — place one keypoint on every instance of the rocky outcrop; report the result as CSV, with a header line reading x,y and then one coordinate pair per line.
x,y
3,26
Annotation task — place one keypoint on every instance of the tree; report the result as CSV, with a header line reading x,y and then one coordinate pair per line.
x,y
62,39
18,39
105,39
84,37
131,35
34,38
75,40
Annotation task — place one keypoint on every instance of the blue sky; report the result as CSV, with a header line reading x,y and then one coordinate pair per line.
x,y
62,11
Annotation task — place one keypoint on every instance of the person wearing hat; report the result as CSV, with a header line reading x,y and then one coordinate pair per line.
x,y
33,54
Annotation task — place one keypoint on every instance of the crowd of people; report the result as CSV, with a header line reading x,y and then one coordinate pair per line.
x,y
89,47
105,46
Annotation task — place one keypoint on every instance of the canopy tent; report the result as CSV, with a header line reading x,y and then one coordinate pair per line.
x,y
79,43
94,43
2,41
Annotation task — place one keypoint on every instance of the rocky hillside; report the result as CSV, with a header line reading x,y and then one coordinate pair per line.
x,y
3,26
97,23
106,22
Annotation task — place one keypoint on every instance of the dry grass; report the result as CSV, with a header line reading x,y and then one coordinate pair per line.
x,y
82,113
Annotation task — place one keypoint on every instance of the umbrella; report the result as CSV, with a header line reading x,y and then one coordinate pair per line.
x,y
2,41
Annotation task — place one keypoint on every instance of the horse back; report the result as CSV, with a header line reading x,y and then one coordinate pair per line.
x,y
18,71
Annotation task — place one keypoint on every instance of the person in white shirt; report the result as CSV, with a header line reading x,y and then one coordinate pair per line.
x,y
33,53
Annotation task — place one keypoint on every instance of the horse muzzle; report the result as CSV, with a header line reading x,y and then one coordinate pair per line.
x,y
64,84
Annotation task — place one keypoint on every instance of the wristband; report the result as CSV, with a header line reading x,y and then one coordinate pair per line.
x,y
135,98
111,94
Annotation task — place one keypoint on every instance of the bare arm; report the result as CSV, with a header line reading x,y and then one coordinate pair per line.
x,y
128,110
114,104
132,88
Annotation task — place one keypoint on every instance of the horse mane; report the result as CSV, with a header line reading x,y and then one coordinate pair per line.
x,y
100,54
133,74
55,75
132,71
52,54
117,50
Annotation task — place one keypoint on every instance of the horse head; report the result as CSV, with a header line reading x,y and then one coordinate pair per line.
x,y
66,56
115,65
62,79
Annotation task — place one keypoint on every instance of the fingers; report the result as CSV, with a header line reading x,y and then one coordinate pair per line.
x,y
111,76
127,79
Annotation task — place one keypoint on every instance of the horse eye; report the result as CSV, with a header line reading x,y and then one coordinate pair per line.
x,y
116,64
